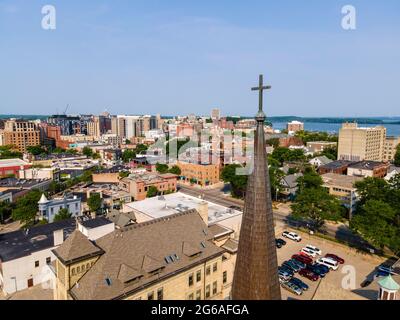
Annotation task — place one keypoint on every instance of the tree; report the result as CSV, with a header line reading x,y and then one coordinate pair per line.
x,y
375,222
63,214
161,168
152,192
123,174
88,152
276,175
274,142
372,189
5,211
238,182
310,180
128,155
26,207
175,170
36,150
317,205
8,152
94,202
397,156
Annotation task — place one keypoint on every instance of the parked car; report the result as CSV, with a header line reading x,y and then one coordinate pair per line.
x,y
335,257
292,266
308,252
300,264
303,286
329,262
291,235
387,270
284,275
291,287
308,274
302,258
287,270
322,267
313,248
280,241
316,270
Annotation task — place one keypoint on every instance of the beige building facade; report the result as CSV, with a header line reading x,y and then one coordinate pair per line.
x,y
21,134
360,143
191,262
390,150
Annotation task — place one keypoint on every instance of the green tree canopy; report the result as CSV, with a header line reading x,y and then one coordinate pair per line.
x,y
161,168
63,214
397,157
26,207
175,170
375,222
238,182
9,152
94,202
87,152
152,192
5,210
310,180
317,205
128,155
36,150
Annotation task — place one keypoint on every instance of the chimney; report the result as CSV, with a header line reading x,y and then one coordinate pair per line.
x,y
58,236
93,215
88,193
203,211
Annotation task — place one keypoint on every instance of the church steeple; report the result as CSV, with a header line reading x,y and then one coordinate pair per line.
x,y
256,271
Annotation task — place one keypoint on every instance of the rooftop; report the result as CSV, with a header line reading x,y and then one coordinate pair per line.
x,y
12,163
367,165
90,223
339,180
21,243
174,203
134,257
13,183
336,164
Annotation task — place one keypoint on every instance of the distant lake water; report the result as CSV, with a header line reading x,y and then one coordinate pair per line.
x,y
392,129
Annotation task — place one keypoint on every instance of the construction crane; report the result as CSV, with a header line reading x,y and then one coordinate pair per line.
x,y
66,109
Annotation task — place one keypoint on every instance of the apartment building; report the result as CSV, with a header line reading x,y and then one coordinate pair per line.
x,y
295,126
137,185
198,173
361,143
390,149
21,134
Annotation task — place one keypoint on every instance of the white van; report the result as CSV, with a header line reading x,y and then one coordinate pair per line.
x,y
328,262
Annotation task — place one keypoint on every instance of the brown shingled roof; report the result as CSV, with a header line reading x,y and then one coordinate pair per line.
x,y
75,248
144,249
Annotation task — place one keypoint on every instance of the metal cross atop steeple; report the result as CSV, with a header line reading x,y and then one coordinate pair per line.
x,y
261,89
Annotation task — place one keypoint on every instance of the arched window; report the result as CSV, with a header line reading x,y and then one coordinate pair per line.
x,y
78,269
73,271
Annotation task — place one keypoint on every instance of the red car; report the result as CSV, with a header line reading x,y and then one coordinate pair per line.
x,y
302,258
308,274
335,257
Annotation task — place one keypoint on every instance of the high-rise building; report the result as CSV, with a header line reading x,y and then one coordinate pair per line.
x,y
215,114
390,150
295,126
256,270
361,143
21,134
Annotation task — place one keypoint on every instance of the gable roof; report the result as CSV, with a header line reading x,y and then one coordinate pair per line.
x,y
76,248
323,159
147,248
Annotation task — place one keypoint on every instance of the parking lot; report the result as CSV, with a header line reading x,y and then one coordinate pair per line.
x,y
330,287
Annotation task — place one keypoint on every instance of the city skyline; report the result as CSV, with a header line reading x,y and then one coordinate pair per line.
x,y
181,58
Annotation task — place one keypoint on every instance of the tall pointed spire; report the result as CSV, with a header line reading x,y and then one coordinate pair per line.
x,y
256,271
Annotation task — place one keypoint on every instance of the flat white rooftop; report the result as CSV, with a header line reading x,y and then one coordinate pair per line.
x,y
162,206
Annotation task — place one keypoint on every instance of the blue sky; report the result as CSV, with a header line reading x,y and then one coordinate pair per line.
x,y
180,57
